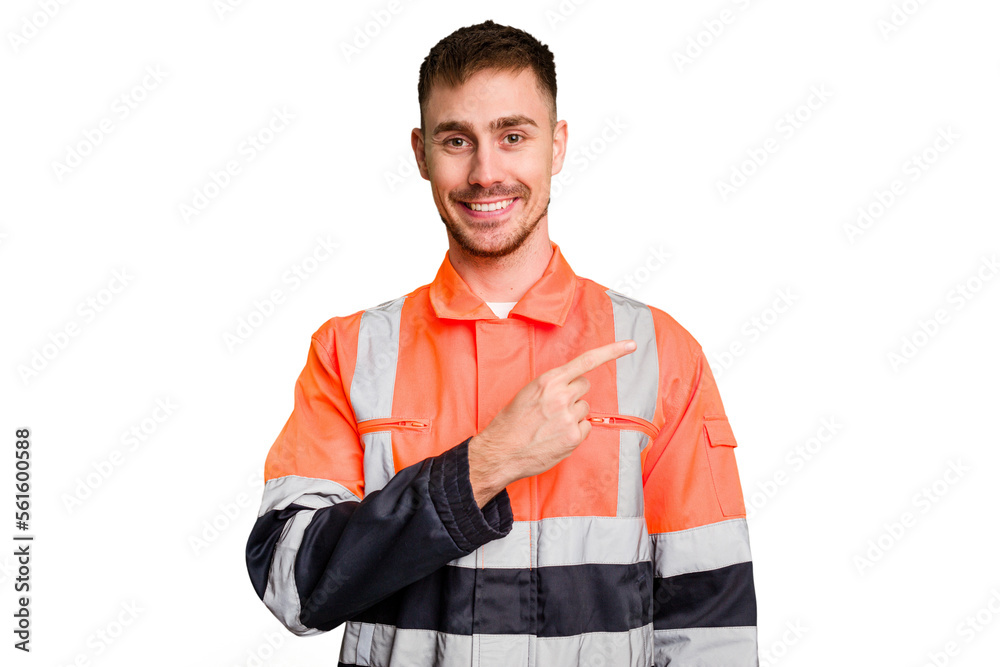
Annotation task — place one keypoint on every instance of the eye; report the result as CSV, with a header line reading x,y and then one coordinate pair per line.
x,y
451,142
514,138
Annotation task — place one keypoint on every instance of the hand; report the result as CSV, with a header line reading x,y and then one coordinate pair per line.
x,y
541,426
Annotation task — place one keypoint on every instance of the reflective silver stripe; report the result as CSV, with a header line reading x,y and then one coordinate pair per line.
x,y
630,499
365,637
392,646
375,371
638,390
281,492
379,467
281,595
404,648
564,541
349,643
632,648
700,549
639,371
719,647
373,384
501,651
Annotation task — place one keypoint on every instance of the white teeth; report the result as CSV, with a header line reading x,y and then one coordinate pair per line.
x,y
491,207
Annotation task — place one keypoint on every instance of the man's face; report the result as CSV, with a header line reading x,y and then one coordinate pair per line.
x,y
489,144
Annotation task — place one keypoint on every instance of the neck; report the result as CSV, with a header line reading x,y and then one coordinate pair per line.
x,y
503,278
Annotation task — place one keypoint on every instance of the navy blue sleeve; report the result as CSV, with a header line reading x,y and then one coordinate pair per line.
x,y
317,556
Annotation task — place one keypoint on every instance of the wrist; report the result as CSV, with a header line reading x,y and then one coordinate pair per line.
x,y
453,498
485,472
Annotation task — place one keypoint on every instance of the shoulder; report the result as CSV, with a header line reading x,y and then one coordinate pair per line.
x,y
673,340
345,329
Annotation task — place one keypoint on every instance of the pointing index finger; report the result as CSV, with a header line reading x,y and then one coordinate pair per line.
x,y
591,359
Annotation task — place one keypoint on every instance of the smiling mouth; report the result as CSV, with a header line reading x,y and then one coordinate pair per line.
x,y
489,206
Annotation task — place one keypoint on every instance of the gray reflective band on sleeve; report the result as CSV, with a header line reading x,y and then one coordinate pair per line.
x,y
373,385
281,492
571,540
719,647
701,549
637,379
281,595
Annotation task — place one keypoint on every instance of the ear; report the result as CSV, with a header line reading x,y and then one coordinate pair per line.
x,y
417,141
559,138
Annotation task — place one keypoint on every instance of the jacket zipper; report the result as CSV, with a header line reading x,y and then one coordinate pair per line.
x,y
625,423
384,423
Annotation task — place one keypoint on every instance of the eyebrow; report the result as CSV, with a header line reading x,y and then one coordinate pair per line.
x,y
498,124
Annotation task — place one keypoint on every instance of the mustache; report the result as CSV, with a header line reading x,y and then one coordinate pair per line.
x,y
500,191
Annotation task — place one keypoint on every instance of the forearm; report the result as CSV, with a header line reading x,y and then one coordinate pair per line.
x,y
704,606
349,556
488,475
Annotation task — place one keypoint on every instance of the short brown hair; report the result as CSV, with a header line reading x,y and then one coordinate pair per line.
x,y
486,45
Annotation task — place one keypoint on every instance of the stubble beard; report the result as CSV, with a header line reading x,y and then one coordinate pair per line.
x,y
468,244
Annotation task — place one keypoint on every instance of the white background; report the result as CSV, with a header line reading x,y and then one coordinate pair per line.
x,y
342,170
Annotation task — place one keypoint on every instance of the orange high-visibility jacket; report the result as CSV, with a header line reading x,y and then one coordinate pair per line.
x,y
632,552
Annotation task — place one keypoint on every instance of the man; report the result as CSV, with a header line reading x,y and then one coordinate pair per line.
x,y
511,465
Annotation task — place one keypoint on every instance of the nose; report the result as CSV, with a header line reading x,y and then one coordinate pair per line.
x,y
486,168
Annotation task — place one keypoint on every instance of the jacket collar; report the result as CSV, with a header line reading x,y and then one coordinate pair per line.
x,y
548,300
